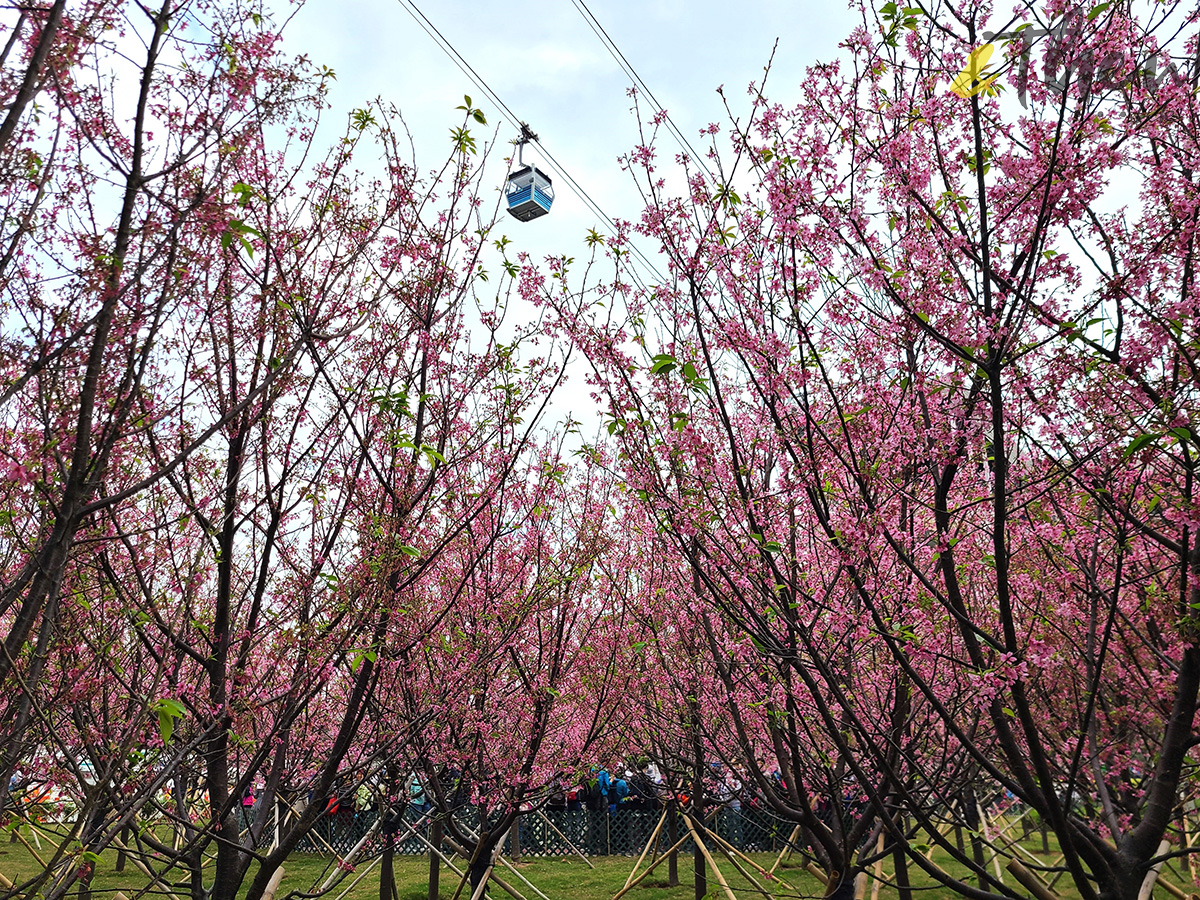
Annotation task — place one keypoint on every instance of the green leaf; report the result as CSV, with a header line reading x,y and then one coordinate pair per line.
x,y
1137,444
1096,10
166,726
663,364
409,551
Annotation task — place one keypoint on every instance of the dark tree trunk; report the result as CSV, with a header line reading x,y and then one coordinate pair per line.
x,y
971,814
479,870
435,868
673,839
841,885
900,861
387,872
698,867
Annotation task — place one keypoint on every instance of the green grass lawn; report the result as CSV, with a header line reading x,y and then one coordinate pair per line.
x,y
558,879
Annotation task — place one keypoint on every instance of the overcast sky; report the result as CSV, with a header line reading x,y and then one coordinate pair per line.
x,y
544,62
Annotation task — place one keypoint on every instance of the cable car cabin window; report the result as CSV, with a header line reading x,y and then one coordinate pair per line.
x,y
529,193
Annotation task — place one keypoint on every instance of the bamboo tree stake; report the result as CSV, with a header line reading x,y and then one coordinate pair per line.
x,y
504,862
33,832
1147,887
315,834
687,820
720,845
435,850
1177,892
650,868
878,873
1008,827
1029,880
1187,842
987,839
463,878
41,862
646,849
568,841
154,879
791,842
444,858
487,875
461,851
355,850
767,875
353,884
273,885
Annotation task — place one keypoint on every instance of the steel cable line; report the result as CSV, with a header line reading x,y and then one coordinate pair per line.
x,y
457,58
627,67
466,68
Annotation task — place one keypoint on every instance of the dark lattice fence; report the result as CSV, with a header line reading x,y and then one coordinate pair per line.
x,y
594,832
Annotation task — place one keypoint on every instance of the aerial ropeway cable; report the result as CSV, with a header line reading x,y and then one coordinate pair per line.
x,y
467,69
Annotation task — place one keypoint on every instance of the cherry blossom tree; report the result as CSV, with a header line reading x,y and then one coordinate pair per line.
x,y
537,648
915,408
242,421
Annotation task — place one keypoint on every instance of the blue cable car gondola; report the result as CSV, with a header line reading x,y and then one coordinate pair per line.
x,y
529,190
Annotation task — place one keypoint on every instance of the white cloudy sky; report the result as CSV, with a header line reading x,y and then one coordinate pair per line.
x,y
545,63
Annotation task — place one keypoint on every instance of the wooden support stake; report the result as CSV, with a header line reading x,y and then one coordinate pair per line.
x,y
1147,887
878,873
568,841
273,885
1030,881
650,868
144,869
650,843
351,887
791,842
687,820
732,849
720,845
